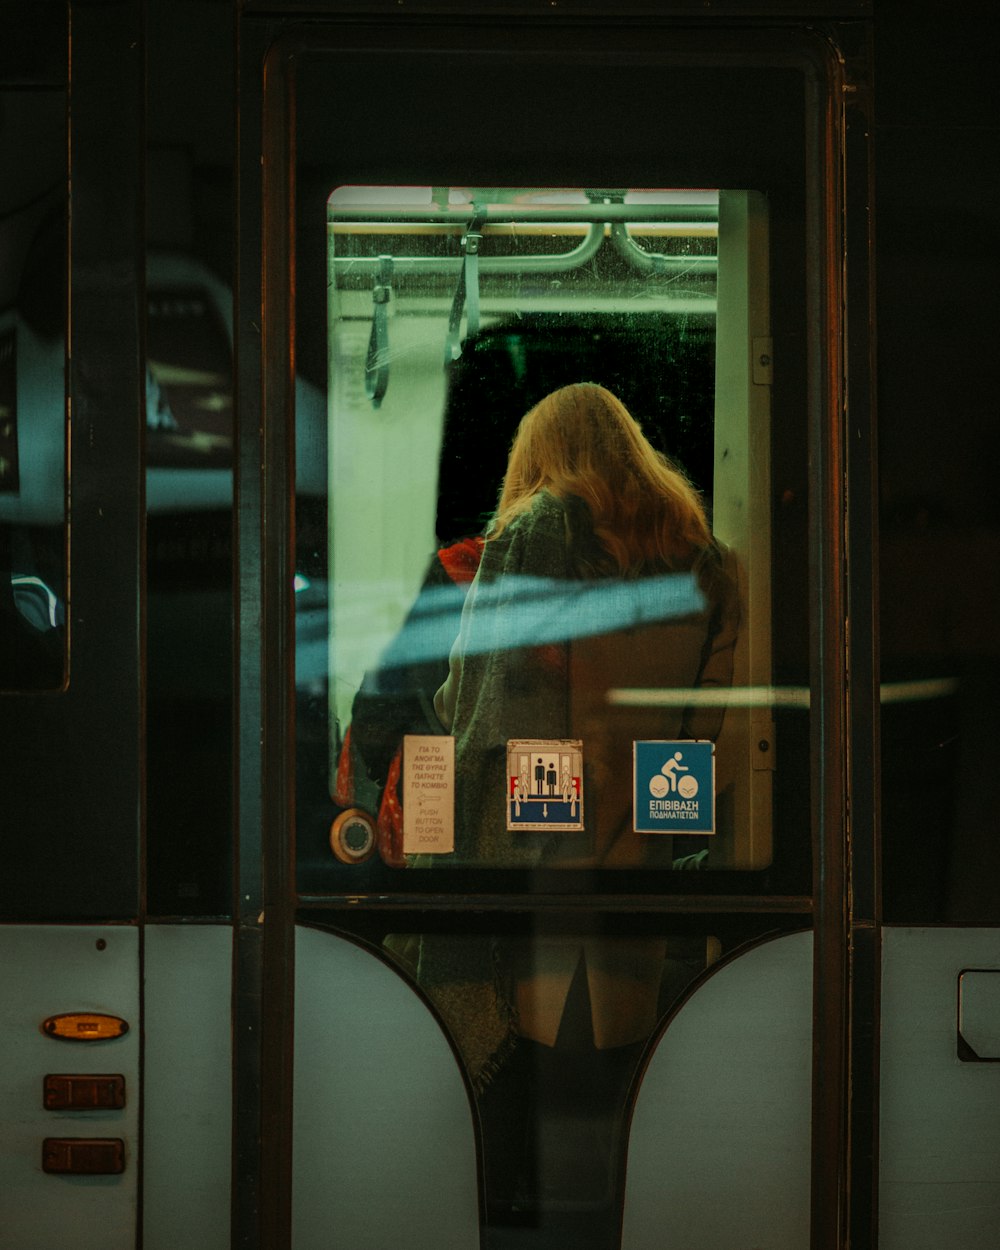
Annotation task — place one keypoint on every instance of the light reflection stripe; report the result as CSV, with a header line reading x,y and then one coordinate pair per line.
x,y
711,696
771,696
913,691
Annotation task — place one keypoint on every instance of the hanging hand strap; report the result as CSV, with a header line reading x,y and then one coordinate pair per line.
x,y
466,293
377,360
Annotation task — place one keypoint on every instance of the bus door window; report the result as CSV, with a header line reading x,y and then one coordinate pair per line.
x,y
634,305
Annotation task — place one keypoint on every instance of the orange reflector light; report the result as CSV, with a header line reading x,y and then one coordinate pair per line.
x,y
83,1156
84,1026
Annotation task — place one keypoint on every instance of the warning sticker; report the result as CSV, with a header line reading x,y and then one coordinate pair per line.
x,y
674,787
545,784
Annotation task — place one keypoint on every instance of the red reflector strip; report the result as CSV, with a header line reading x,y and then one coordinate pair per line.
x,y
79,1092
83,1156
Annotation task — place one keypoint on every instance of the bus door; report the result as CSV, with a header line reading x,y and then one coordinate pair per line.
x,y
519,966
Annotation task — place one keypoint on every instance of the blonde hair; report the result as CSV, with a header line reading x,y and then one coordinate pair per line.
x,y
581,441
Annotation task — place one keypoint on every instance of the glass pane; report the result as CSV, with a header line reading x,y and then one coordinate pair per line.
x,y
33,390
939,552
550,637
189,463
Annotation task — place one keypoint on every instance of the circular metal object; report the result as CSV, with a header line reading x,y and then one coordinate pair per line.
x,y
352,836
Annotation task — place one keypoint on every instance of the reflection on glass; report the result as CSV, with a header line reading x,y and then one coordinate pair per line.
x,y
32,391
453,312
189,577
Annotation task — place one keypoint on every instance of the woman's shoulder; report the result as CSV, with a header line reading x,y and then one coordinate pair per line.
x,y
543,508
544,517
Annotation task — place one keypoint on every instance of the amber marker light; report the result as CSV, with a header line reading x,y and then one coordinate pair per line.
x,y
84,1026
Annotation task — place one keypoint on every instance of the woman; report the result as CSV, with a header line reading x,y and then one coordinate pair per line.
x,y
599,572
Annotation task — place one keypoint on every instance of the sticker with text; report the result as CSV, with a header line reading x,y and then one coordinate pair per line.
x,y
674,787
428,794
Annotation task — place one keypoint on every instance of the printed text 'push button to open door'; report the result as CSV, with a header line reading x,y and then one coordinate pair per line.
x,y
979,1015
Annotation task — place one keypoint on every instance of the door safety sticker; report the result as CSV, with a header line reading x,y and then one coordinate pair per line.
x,y
545,784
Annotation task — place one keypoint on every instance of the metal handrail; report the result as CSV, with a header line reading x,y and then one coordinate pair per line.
x,y
560,263
599,216
517,214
